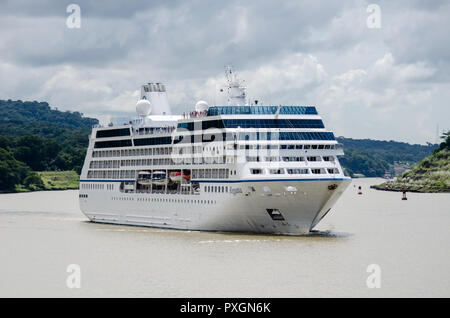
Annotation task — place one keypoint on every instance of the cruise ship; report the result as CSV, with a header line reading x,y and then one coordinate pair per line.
x,y
240,167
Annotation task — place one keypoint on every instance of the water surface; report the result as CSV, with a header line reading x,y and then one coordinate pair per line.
x,y
42,233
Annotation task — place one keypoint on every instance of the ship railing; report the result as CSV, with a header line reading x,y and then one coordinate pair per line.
x,y
154,131
181,191
195,114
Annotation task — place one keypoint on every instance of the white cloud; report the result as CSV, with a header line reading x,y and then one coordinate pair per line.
x,y
389,83
386,101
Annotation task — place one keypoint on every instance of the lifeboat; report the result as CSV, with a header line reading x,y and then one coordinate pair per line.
x,y
159,177
144,178
175,176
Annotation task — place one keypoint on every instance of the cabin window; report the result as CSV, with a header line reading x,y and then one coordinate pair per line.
x,y
256,171
113,133
113,143
298,171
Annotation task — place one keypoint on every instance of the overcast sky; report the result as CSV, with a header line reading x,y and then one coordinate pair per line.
x,y
388,83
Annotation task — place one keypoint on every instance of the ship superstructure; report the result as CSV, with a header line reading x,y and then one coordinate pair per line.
x,y
239,167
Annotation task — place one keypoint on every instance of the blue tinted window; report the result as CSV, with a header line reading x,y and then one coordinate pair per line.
x,y
203,125
261,110
113,143
287,135
273,123
113,132
153,141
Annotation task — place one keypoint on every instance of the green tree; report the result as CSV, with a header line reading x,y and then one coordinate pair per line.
x,y
12,172
446,143
6,142
33,181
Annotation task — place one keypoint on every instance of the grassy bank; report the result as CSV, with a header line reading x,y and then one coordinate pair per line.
x,y
410,187
430,175
54,180
60,180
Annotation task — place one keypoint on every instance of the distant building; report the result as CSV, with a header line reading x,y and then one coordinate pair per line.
x,y
398,169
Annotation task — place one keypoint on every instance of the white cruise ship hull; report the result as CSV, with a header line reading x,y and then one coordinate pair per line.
x,y
241,168
247,211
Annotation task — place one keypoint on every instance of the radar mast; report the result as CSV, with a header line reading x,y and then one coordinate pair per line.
x,y
237,91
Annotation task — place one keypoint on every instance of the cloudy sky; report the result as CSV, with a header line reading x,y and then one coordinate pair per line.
x,y
388,83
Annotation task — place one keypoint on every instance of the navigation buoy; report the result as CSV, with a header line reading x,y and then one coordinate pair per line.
x,y
359,190
404,196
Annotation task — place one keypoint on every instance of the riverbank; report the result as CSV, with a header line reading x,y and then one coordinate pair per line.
x,y
54,180
408,187
431,175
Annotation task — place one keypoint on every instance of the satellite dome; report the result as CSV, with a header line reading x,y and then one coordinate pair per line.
x,y
201,106
143,107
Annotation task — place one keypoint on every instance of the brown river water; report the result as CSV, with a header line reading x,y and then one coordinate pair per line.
x,y
42,233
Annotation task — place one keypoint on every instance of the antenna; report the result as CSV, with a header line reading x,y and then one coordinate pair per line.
x,y
437,134
237,92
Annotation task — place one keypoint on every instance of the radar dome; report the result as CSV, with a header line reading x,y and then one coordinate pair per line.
x,y
201,106
143,107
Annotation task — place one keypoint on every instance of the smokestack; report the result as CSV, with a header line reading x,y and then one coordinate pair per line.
x,y
156,94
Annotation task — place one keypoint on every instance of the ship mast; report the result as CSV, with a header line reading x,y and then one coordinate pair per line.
x,y
237,91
